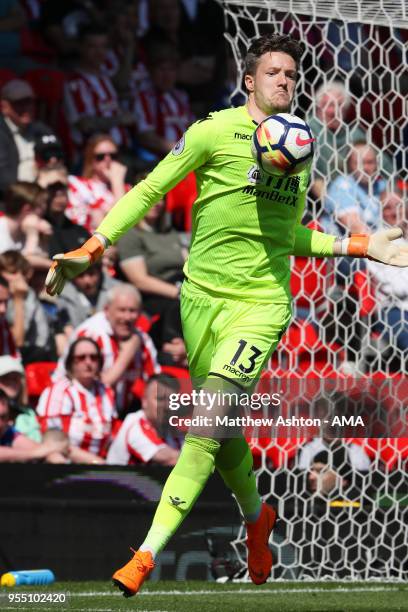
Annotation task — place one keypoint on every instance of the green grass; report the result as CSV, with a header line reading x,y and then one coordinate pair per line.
x,y
210,597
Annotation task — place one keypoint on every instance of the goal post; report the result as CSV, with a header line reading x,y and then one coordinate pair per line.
x,y
357,50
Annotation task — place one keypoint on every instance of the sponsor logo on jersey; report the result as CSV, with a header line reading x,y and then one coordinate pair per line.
x,y
282,189
235,372
274,195
241,136
179,146
254,174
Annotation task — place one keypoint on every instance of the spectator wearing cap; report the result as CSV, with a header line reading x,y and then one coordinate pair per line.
x,y
49,153
18,132
12,382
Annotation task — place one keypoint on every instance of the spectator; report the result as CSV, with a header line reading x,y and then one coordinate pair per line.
x,y
92,104
12,382
128,354
33,339
12,20
354,455
101,185
80,404
392,284
353,201
86,294
70,453
123,62
66,235
152,258
49,153
326,476
15,446
140,439
199,43
61,23
333,135
21,229
18,133
163,112
7,344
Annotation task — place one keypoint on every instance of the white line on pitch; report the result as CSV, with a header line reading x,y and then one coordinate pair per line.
x,y
246,591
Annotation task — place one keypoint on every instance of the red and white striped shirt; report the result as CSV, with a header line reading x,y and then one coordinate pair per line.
x,y
86,415
85,196
7,344
142,366
137,441
168,114
90,95
139,77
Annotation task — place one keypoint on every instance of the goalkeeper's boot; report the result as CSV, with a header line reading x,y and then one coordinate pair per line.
x,y
131,576
260,558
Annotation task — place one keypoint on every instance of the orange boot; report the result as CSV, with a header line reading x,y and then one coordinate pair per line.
x,y
131,576
260,558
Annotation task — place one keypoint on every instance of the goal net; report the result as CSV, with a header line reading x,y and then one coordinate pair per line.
x,y
343,502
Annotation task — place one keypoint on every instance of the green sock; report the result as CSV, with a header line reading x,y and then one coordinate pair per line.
x,y
234,462
183,486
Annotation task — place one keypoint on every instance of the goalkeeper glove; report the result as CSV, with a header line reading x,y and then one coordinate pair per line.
x,y
378,247
69,265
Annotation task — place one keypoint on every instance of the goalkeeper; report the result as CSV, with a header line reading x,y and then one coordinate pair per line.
x,y
235,301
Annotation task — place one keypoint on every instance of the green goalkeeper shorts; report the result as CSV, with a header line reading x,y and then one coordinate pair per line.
x,y
229,338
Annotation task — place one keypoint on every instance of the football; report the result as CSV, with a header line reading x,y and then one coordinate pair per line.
x,y
282,144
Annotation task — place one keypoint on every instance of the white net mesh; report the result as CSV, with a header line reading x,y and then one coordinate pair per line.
x,y
343,504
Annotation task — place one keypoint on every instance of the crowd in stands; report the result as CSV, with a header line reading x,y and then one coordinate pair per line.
x,y
92,95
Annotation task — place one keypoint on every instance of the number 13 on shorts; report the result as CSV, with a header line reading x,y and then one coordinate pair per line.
x,y
230,338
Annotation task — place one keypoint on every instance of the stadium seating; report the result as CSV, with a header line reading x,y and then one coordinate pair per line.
x,y
38,377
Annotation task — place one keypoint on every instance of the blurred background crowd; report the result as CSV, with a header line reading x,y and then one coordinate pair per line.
x,y
92,96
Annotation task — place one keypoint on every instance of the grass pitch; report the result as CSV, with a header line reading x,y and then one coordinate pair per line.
x,y
197,596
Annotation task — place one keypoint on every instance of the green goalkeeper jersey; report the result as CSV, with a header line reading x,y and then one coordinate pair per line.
x,y
245,224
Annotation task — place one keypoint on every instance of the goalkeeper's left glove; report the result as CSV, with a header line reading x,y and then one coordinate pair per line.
x,y
378,247
67,266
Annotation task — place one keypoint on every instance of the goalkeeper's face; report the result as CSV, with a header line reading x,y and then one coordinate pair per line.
x,y
273,84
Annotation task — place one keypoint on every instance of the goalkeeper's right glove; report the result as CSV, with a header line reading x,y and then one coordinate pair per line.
x,y
67,266
378,247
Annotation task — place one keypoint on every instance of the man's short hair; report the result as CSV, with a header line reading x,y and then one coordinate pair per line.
x,y
18,194
120,289
166,380
13,261
335,86
269,43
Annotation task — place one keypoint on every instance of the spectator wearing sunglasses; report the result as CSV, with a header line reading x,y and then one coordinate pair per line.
x,y
102,183
80,404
